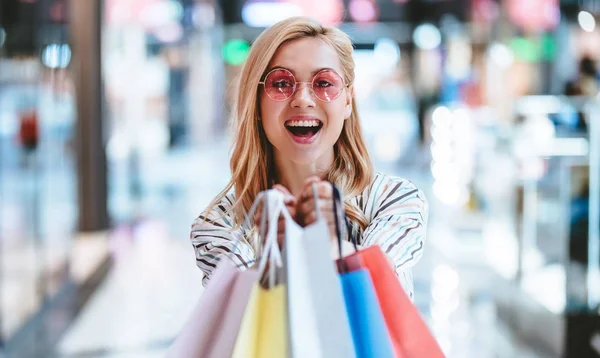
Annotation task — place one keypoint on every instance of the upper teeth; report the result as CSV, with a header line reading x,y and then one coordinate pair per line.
x,y
309,123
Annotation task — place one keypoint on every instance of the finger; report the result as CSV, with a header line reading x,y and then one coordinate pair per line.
x,y
323,189
282,189
292,209
309,202
287,196
309,205
332,231
308,183
305,206
309,219
290,200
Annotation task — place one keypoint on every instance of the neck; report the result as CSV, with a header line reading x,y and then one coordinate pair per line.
x,y
293,175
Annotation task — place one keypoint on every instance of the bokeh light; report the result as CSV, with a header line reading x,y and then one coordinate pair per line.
x,y
586,21
56,56
427,37
235,52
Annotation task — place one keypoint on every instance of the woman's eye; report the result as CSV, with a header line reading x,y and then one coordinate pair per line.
x,y
281,84
324,84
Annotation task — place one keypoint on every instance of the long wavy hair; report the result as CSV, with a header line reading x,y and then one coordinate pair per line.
x,y
252,161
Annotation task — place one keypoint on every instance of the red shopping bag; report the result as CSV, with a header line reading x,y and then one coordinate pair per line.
x,y
410,335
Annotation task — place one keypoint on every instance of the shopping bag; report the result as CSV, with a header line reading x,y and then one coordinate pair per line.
x,y
196,335
226,334
369,332
410,335
263,332
211,330
245,282
318,324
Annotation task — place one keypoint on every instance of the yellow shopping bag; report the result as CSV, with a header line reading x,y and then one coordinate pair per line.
x,y
263,333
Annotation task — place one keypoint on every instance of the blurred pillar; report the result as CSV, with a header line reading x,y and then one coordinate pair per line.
x,y
593,275
85,27
206,72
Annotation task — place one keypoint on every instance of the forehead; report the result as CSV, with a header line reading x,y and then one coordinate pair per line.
x,y
303,56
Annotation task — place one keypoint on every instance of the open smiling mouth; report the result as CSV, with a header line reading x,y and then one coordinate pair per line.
x,y
304,131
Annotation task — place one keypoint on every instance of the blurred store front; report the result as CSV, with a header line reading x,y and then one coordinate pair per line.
x,y
38,205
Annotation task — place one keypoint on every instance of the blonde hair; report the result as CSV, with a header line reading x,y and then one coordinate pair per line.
x,y
252,162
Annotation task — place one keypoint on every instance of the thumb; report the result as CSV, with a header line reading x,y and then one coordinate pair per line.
x,y
286,193
308,184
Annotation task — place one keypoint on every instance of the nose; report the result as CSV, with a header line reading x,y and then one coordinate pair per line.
x,y
303,97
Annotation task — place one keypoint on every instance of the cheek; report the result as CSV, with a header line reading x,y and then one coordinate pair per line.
x,y
335,115
269,113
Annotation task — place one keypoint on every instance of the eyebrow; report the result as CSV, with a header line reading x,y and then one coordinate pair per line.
x,y
294,73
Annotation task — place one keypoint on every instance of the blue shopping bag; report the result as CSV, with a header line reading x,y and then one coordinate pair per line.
x,y
369,332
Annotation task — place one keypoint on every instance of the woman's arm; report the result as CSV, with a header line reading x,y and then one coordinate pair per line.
x,y
213,238
398,221
398,213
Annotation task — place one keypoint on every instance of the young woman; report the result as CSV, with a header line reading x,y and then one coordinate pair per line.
x,y
297,124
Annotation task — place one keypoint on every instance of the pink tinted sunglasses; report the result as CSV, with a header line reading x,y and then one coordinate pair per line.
x,y
280,84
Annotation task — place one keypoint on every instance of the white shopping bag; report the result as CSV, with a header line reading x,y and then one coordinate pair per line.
x,y
317,318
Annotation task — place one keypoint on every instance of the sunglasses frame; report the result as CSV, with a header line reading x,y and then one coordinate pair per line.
x,y
309,84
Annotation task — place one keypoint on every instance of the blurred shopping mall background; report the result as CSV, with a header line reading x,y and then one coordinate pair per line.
x,y
114,137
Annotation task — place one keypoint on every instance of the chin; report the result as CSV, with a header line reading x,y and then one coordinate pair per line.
x,y
304,158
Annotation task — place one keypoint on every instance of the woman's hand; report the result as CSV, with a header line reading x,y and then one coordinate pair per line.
x,y
306,211
290,203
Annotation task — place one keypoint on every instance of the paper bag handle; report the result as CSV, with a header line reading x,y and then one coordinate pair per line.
x,y
339,215
248,217
273,206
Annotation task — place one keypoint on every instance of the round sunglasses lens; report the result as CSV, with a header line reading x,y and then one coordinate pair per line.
x,y
279,85
327,85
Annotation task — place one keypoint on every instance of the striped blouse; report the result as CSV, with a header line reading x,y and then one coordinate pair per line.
x,y
396,210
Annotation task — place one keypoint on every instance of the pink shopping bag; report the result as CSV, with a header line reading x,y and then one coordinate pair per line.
x,y
212,329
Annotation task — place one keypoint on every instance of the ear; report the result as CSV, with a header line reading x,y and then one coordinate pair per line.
x,y
348,108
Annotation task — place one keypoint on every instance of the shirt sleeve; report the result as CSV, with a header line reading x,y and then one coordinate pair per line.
x,y
213,237
398,213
